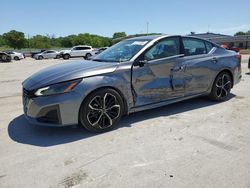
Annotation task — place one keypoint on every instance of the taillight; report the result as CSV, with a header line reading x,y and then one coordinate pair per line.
x,y
238,56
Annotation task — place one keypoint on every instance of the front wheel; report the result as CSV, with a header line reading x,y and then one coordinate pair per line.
x,y
88,55
66,56
58,56
101,110
16,58
221,87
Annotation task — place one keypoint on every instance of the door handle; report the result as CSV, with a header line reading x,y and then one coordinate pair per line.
x,y
178,68
214,59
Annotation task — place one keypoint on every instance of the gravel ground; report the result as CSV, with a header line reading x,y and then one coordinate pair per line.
x,y
195,143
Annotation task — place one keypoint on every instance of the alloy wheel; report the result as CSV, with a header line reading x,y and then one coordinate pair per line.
x,y
223,86
103,111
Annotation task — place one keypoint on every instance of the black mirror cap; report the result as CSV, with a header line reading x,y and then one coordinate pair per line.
x,y
140,63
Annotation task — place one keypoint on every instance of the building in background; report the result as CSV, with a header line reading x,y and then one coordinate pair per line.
x,y
241,41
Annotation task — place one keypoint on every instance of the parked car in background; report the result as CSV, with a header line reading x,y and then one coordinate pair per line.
x,y
96,52
133,75
16,55
4,57
236,49
48,54
34,53
78,51
100,50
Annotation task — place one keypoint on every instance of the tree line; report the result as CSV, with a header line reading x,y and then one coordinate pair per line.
x,y
242,33
17,40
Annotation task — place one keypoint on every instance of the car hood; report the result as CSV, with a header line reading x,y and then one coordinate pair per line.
x,y
67,71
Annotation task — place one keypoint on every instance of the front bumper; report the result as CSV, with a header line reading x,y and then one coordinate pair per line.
x,y
57,110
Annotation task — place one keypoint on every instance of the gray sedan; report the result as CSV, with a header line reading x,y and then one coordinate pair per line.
x,y
48,54
133,75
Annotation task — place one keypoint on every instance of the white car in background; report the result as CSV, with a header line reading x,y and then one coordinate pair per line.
x,y
78,51
16,55
48,54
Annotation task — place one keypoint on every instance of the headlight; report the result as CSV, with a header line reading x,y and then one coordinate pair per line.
x,y
57,88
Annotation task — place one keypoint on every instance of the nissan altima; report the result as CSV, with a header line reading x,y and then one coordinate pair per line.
x,y
133,75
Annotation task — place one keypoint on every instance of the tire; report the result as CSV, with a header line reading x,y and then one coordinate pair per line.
x,y
87,56
221,87
66,56
16,58
40,57
97,117
6,58
58,57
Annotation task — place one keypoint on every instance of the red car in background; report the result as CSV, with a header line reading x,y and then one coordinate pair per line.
x,y
236,49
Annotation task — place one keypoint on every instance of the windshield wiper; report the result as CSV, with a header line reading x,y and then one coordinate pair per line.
x,y
105,60
99,60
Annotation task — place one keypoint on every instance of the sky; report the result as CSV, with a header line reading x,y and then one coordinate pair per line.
x,y
104,17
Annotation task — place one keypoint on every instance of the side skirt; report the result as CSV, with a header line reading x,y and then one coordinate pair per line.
x,y
164,103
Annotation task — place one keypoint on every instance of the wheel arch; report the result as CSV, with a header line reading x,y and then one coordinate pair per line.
x,y
229,72
67,54
125,104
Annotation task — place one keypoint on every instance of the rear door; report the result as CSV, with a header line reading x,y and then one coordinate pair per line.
x,y
161,78
198,62
50,54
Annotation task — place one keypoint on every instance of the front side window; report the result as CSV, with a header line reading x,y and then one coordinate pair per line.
x,y
165,48
194,46
49,52
122,51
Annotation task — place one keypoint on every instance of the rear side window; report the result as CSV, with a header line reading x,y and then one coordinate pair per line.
x,y
194,46
84,48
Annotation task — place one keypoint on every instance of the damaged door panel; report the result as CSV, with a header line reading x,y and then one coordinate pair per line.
x,y
161,78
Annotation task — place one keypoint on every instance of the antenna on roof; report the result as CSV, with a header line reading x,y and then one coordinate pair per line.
x,y
147,27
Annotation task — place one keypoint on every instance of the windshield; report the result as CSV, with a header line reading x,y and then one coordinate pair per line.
x,y
122,51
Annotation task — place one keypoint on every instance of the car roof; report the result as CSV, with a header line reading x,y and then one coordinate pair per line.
x,y
149,37
83,46
153,37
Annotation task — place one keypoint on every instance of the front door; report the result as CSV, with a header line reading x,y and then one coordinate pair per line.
x,y
161,78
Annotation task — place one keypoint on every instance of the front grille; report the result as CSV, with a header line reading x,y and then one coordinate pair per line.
x,y
26,96
27,93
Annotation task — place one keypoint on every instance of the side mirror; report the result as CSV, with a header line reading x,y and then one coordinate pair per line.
x,y
140,63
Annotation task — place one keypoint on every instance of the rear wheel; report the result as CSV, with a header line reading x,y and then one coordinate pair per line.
x,y
221,87
101,110
88,55
16,58
4,58
66,56
40,57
